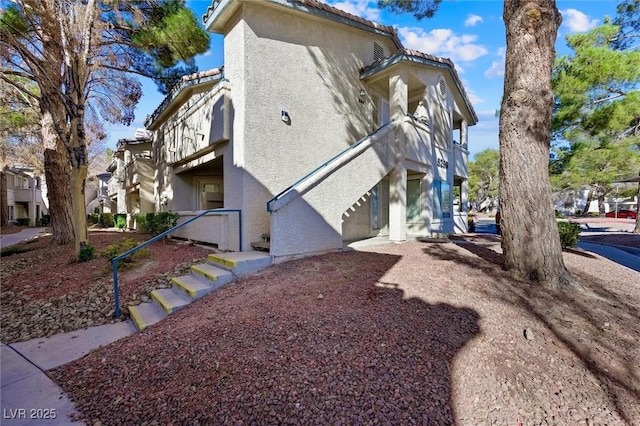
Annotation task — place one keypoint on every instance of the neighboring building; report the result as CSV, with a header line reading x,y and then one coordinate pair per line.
x,y
130,188
25,202
96,193
321,128
570,202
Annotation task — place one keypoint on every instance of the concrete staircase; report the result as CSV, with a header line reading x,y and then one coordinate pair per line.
x,y
220,269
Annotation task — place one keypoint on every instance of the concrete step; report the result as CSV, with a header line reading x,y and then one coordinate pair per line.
x,y
170,299
220,269
219,276
242,263
204,278
146,314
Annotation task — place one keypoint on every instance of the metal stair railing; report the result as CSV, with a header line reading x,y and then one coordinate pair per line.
x,y
115,260
324,167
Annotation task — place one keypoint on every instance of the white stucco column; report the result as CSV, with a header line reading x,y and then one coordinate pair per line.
x,y
398,95
464,134
398,102
464,196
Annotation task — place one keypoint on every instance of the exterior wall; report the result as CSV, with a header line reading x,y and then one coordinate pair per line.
x,y
282,56
219,229
310,220
186,139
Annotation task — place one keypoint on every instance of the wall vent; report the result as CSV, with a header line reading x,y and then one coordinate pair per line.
x,y
378,52
443,87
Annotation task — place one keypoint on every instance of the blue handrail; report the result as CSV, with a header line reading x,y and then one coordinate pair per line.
x,y
115,260
322,166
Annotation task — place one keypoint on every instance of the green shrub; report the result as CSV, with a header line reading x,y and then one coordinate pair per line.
x,y
106,220
578,212
8,251
45,220
115,250
569,233
120,220
156,223
93,218
86,253
23,221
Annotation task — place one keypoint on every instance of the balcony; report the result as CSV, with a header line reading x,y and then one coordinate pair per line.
x,y
461,159
23,194
137,171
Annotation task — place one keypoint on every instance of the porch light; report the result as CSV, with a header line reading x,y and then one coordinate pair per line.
x,y
363,93
285,116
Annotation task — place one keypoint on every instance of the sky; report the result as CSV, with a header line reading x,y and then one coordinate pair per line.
x,y
469,32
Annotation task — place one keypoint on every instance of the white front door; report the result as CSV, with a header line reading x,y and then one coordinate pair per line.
x,y
207,185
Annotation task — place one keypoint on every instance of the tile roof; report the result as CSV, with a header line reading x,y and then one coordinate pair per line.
x,y
315,4
184,82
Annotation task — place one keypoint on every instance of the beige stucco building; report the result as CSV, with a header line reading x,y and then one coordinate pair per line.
x,y
25,196
320,128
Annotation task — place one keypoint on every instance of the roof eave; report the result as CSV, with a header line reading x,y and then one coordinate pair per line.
x,y
402,56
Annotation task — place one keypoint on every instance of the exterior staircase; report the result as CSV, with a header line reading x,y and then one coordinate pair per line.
x,y
218,270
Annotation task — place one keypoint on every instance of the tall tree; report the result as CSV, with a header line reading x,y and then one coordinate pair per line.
x,y
588,164
483,176
597,111
77,52
628,20
530,239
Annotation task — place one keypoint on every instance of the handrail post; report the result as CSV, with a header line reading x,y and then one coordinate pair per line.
x,y
240,230
116,296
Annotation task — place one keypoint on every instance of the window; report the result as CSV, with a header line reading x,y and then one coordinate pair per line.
x,y
381,111
374,208
441,200
413,200
11,217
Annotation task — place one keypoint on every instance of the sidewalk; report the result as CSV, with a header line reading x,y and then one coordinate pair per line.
x,y
25,234
27,395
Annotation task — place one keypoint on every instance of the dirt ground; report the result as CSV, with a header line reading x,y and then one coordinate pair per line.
x,y
45,292
414,333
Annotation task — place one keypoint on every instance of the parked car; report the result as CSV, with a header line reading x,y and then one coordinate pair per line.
x,y
623,214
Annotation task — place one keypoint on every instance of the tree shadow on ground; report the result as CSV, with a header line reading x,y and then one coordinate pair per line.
x,y
322,340
598,325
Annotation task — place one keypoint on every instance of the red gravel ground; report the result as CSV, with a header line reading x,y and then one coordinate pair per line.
x,y
415,333
45,291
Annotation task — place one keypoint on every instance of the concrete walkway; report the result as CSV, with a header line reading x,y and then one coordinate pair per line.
x,y
26,234
27,395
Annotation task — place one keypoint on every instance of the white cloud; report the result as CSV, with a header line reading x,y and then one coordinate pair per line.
x,y
363,8
442,42
497,67
473,97
577,21
472,20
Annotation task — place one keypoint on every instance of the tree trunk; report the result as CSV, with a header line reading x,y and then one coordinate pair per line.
x,y
530,239
4,200
57,168
601,203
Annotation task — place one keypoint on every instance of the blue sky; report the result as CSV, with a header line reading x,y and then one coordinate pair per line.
x,y
470,32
